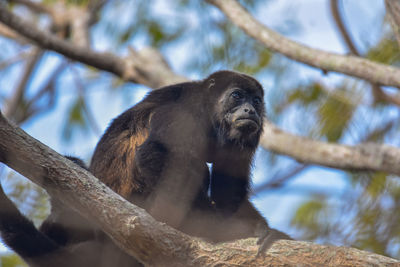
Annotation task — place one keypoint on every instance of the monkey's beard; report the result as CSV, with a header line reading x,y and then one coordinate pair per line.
x,y
242,135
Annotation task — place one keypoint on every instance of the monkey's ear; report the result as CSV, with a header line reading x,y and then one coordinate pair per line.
x,y
211,83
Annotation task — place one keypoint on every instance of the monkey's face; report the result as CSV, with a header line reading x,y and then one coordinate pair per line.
x,y
239,117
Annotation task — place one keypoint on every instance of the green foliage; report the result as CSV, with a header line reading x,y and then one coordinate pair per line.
x,y
334,109
75,119
306,95
49,2
31,199
258,63
310,215
367,219
387,52
377,184
335,113
11,260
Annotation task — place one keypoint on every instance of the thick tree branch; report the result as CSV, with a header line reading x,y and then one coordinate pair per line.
x,y
369,156
153,243
351,65
8,33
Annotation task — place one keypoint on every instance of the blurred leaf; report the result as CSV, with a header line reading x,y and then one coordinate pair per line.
x,y
335,114
47,2
11,260
78,2
307,216
307,95
75,119
156,32
370,243
387,52
377,184
259,62
31,199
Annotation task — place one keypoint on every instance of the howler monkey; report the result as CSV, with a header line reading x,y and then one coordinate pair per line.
x,y
155,155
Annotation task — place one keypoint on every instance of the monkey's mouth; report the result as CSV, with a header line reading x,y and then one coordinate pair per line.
x,y
247,124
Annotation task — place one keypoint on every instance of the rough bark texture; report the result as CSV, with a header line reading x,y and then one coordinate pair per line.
x,y
136,232
351,65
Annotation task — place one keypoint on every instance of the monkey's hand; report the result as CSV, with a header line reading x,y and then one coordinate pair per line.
x,y
269,236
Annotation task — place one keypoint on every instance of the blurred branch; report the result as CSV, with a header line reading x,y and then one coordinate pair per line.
x,y
47,90
10,34
34,6
23,55
351,65
45,40
342,28
393,10
378,92
95,6
89,116
379,133
135,68
12,109
368,156
133,229
279,179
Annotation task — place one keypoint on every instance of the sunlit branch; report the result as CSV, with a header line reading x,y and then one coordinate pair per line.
x,y
351,65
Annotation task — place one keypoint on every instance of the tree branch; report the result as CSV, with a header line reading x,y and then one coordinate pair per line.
x,y
368,156
11,109
342,28
136,232
34,6
45,40
137,70
378,92
393,10
351,65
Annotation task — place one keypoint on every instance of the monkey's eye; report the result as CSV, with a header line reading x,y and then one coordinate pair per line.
x,y
237,95
257,101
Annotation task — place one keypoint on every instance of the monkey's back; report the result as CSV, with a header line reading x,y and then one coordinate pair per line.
x,y
113,161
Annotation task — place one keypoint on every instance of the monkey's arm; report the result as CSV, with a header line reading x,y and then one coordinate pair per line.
x,y
171,164
230,191
20,234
